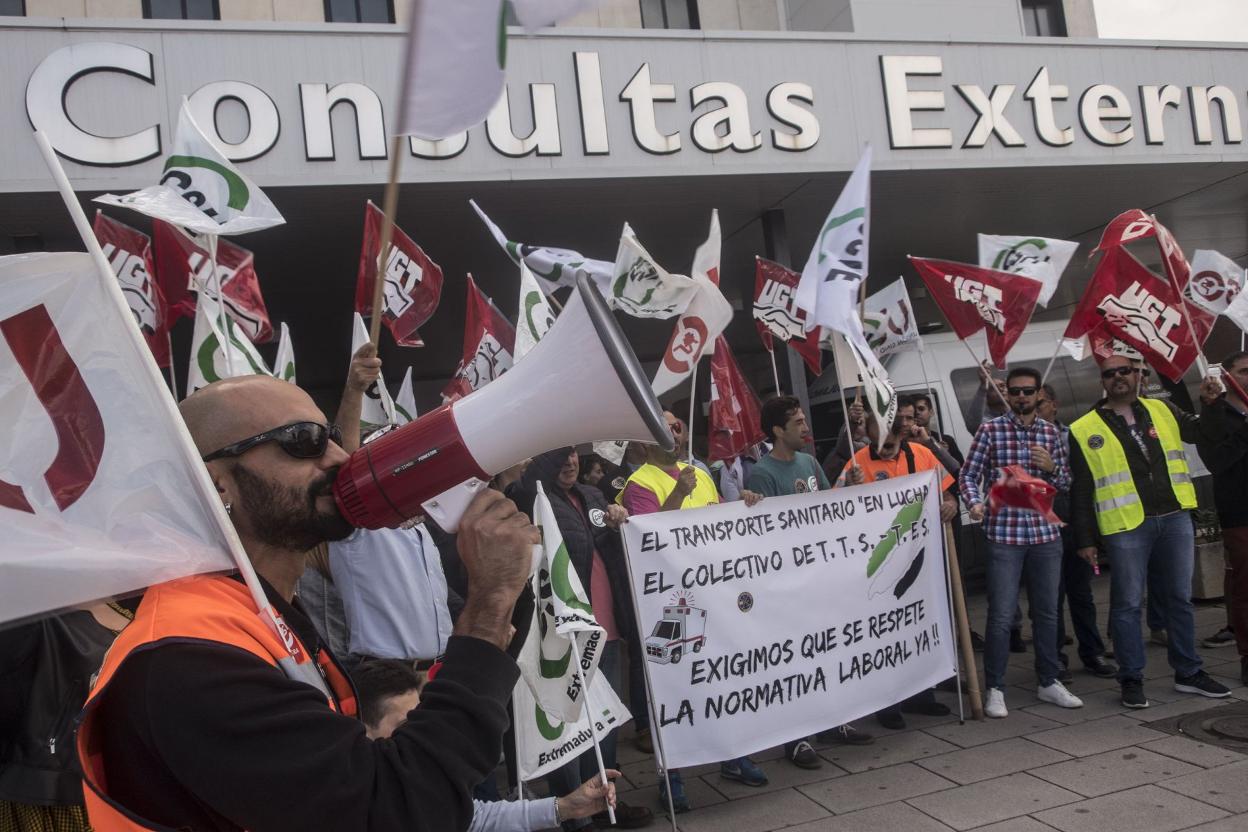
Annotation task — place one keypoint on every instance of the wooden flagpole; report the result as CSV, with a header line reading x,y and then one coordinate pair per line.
x,y
1202,363
389,205
693,402
1049,367
964,626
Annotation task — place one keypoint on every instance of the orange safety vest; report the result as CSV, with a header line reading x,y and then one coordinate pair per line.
x,y
215,609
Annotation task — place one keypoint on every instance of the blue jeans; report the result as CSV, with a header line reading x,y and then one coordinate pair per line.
x,y
1041,566
567,778
1158,554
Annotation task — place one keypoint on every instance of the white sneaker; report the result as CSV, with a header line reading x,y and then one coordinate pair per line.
x,y
995,706
1056,694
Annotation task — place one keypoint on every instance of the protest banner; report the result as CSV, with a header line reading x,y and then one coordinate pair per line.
x,y
767,624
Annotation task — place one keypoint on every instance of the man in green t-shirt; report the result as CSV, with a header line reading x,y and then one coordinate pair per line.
x,y
790,470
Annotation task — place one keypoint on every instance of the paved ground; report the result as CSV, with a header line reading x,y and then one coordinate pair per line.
x,y
1101,768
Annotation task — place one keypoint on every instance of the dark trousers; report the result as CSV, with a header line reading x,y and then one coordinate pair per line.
x,y
1235,545
1076,591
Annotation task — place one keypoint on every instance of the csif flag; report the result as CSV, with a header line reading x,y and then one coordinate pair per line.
x,y
700,325
735,417
776,314
210,361
413,281
1127,301
534,318
284,363
377,409
553,267
563,613
200,190
405,402
129,252
489,346
184,266
1039,258
101,492
641,287
972,299
888,319
1216,281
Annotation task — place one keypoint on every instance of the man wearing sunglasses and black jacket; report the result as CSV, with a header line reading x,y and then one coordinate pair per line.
x,y
193,724
1132,489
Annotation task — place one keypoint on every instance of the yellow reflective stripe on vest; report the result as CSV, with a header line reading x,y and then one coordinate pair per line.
x,y
1176,459
1112,479
1117,502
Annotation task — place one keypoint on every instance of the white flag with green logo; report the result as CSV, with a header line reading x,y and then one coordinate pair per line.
x,y
284,364
544,743
1039,258
200,189
641,287
535,317
377,411
553,267
405,402
209,361
563,613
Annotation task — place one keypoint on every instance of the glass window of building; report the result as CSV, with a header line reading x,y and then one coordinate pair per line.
x,y
181,10
12,8
669,14
359,11
1044,18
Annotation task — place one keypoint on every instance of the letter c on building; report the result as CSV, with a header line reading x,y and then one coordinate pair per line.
x,y
48,88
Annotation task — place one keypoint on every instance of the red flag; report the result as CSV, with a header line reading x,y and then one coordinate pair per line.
x,y
1018,489
776,314
1133,225
130,253
1133,304
973,298
413,281
736,415
183,265
489,344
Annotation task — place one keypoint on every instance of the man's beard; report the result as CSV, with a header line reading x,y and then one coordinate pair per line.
x,y
287,517
1023,408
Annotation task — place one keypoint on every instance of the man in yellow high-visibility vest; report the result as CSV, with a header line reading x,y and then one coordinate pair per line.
x,y
1133,490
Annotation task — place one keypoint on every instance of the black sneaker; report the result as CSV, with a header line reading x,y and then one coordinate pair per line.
x,y
1133,694
1017,645
804,756
1102,668
977,642
1222,638
846,735
891,719
1065,676
1203,684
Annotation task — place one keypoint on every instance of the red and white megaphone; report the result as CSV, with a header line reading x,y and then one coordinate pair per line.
x,y
581,383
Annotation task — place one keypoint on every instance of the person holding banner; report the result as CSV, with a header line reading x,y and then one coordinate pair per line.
x,y
1227,460
193,722
665,483
1020,542
389,690
1133,490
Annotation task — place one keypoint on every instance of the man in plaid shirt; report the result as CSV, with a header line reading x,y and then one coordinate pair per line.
x,y
1021,543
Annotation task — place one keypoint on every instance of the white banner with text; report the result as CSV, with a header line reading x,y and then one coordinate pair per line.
x,y
769,624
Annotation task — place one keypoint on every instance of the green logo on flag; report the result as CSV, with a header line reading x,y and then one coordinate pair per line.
x,y
239,195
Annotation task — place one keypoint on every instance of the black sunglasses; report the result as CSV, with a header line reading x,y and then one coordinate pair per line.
x,y
302,440
1022,391
1119,371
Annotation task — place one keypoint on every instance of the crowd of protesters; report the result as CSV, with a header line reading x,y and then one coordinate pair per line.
x,y
406,637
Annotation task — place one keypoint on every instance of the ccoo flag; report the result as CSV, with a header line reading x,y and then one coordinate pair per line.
x,y
553,267
641,287
413,281
534,318
129,251
1039,258
100,494
209,362
200,190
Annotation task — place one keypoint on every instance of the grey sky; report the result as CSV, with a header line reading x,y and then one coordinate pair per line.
x,y
1216,20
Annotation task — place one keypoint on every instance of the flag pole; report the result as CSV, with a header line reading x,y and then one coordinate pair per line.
x,y
1049,368
223,319
593,730
173,378
515,736
927,383
182,438
389,205
693,402
840,386
1202,363
775,373
964,628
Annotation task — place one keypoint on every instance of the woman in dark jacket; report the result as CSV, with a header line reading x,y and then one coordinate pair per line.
x,y
45,673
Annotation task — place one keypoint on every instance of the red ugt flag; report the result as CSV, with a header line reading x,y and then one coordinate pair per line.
x,y
1143,310
1136,225
489,346
413,281
973,298
735,420
184,266
775,313
129,251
